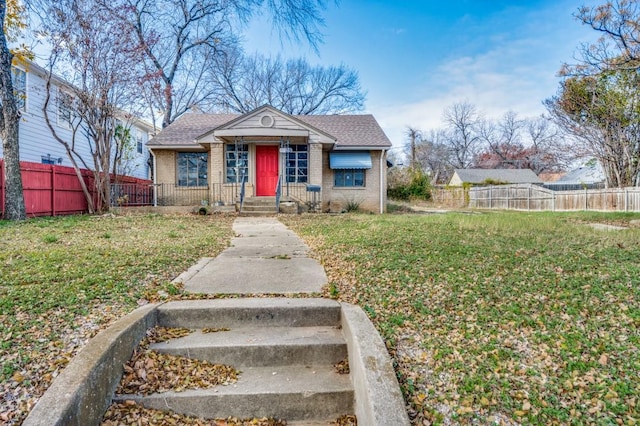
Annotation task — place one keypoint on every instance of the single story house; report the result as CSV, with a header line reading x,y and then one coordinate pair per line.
x,y
482,176
336,161
587,176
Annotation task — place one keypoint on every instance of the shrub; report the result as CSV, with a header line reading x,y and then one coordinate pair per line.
x,y
414,185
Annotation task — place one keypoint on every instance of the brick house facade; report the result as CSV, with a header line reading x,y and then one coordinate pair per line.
x,y
340,159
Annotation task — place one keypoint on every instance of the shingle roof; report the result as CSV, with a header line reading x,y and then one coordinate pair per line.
x,y
188,127
502,175
350,131
585,174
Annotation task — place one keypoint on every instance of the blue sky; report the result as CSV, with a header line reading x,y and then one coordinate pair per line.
x,y
415,58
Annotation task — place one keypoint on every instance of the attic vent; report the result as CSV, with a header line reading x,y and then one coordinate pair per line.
x,y
266,121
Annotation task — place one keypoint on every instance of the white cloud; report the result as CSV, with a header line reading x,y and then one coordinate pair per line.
x,y
508,77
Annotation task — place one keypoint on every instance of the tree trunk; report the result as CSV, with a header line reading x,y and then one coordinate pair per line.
x,y
14,208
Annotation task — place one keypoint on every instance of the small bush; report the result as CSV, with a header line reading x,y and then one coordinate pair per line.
x,y
414,185
352,206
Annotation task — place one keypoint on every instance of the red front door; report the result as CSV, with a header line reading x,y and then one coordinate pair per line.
x,y
266,170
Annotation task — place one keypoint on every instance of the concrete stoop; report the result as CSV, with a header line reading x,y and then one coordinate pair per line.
x,y
259,206
284,348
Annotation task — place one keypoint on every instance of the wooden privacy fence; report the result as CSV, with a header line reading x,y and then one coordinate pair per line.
x,y
54,190
533,197
449,197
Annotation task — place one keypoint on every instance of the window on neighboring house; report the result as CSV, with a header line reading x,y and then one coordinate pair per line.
x,y
192,169
348,177
48,159
65,104
139,140
20,87
236,162
297,164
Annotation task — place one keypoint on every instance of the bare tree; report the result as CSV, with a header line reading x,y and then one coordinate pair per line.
x,y
502,138
461,124
434,156
93,53
597,102
619,45
550,151
181,38
601,113
14,207
415,137
293,86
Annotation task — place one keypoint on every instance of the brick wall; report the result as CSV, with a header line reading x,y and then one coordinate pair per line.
x,y
336,199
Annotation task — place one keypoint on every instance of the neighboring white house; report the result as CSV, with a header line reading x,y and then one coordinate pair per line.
x,y
37,143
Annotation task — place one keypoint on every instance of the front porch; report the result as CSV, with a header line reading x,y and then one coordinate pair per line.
x,y
227,197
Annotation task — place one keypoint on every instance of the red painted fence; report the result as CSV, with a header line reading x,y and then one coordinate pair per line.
x,y
54,190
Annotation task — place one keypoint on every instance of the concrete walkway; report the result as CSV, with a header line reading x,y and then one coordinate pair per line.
x,y
265,257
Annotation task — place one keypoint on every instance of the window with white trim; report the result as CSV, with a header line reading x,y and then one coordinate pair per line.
x,y
65,104
297,164
236,162
20,87
137,133
348,178
192,168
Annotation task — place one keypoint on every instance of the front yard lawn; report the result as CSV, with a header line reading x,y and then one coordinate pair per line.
x,y
500,318
64,279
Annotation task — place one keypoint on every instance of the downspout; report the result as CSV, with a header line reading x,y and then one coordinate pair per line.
x,y
383,188
155,177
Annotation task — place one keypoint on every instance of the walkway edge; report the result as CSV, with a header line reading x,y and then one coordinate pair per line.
x,y
189,273
81,394
379,401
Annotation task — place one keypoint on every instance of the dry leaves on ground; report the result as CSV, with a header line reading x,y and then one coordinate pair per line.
x,y
149,372
130,413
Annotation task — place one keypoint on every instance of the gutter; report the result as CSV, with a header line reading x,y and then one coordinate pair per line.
x,y
382,187
155,177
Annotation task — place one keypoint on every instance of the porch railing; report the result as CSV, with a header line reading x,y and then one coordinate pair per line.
x,y
165,194
278,193
131,194
243,192
309,196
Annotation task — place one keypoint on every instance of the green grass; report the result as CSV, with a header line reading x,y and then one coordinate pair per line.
x,y
63,279
528,317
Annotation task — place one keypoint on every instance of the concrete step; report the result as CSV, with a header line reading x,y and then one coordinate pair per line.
x,y
258,213
256,201
257,347
250,312
292,393
259,208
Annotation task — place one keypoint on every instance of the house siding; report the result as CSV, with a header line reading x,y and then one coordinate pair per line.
x,y
37,141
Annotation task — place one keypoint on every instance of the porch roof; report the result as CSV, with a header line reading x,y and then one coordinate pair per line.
x,y
350,131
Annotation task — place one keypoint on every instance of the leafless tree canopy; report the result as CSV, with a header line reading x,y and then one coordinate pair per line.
x,y
601,112
97,56
468,140
619,44
597,101
183,40
293,86
461,121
